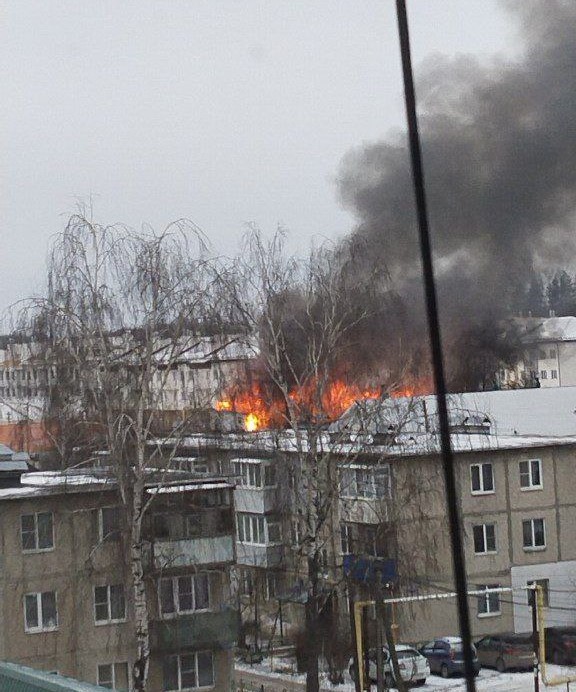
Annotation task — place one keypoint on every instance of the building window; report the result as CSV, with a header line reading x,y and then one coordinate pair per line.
x,y
345,539
484,538
530,474
372,541
488,603
37,531
161,525
257,529
543,374
109,523
114,676
188,671
552,353
553,374
271,586
366,481
482,478
246,582
109,603
544,585
533,534
184,594
296,533
254,473
542,354
40,612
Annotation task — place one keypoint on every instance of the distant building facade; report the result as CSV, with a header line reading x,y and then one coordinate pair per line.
x,y
548,356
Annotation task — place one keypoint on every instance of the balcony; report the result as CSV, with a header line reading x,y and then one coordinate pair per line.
x,y
259,555
193,551
364,510
210,629
255,500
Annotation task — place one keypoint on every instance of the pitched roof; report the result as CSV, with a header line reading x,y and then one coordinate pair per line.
x,y
546,329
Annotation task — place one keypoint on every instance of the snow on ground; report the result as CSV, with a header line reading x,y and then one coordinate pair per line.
x,y
487,681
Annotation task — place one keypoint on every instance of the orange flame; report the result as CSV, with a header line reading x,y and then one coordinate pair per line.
x,y
257,412
333,401
420,388
310,401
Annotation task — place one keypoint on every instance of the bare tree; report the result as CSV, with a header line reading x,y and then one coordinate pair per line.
x,y
308,314
120,308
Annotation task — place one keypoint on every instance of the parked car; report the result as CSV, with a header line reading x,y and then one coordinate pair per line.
x,y
560,645
414,668
506,651
446,656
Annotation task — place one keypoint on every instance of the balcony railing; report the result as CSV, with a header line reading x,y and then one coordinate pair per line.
x,y
259,555
193,551
255,500
210,629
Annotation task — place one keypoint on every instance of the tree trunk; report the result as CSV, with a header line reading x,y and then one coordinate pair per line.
x,y
398,681
141,621
311,624
381,682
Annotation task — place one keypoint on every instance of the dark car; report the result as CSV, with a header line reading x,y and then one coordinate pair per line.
x,y
446,656
506,651
560,643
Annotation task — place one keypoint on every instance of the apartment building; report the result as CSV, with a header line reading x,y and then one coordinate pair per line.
x,y
65,600
389,521
548,354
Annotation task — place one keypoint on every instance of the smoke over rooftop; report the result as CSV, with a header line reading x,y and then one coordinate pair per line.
x,y
499,147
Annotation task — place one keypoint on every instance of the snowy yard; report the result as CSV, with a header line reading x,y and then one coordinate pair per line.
x,y
252,677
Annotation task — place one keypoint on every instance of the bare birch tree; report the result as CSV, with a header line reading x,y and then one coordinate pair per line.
x,y
120,308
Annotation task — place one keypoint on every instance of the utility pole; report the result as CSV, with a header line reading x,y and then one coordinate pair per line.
x,y
533,600
357,681
380,637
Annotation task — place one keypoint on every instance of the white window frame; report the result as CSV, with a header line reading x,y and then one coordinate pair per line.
x,y
41,627
484,528
254,529
359,481
178,610
245,471
488,613
114,675
529,474
345,539
543,374
36,549
481,490
553,374
195,654
296,532
110,619
533,547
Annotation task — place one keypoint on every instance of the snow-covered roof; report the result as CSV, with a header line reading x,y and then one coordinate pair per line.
x,y
401,445
546,329
206,349
533,412
86,480
190,487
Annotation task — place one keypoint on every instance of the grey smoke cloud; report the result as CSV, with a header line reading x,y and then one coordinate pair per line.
x,y
499,146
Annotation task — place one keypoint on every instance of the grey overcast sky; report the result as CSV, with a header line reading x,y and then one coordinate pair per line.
x,y
221,111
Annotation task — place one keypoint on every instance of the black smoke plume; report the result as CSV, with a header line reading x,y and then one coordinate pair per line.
x,y
499,149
